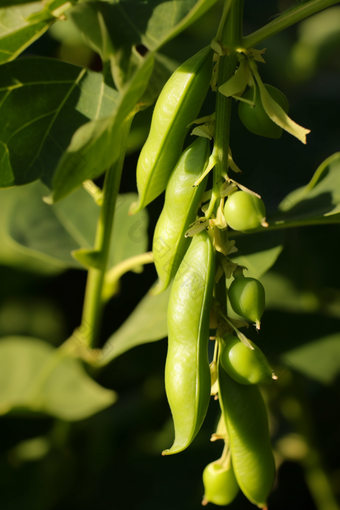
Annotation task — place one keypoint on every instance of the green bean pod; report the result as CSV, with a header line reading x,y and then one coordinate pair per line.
x,y
187,373
247,425
244,365
177,106
180,208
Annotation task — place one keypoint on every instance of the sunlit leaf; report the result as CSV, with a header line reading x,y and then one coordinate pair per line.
x,y
42,103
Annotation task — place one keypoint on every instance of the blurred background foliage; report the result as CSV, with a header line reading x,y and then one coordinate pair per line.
x,y
112,459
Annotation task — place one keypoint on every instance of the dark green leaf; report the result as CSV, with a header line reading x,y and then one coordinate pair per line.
x,y
50,233
42,103
147,323
116,29
34,376
318,360
318,202
258,252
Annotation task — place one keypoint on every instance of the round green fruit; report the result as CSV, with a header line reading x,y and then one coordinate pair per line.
x,y
220,485
244,212
247,298
255,117
244,365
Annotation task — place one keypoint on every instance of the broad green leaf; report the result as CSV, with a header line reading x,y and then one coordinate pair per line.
x,y
33,226
114,29
258,252
95,146
22,23
50,233
318,202
35,376
147,323
9,253
318,360
42,102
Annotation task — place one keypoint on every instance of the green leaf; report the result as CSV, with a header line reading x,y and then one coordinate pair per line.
x,y
318,360
258,252
36,377
318,202
115,28
147,323
34,226
9,253
22,23
50,233
95,146
42,103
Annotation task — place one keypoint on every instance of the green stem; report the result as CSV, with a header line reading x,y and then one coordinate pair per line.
x,y
112,277
286,19
326,220
94,302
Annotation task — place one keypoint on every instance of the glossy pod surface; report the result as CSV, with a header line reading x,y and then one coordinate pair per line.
x,y
247,424
220,485
180,208
247,298
244,365
255,118
187,372
244,212
178,104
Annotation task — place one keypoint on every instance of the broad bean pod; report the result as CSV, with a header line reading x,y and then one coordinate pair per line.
x,y
247,425
180,207
177,106
187,373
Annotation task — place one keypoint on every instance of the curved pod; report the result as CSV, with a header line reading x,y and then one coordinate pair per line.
x,y
244,365
178,104
187,373
247,425
180,208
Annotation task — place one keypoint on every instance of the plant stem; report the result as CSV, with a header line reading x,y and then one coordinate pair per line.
x,y
94,302
286,19
112,277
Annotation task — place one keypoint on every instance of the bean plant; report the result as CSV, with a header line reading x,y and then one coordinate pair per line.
x,y
201,120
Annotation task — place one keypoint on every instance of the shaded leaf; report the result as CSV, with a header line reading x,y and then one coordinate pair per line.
x,y
318,360
52,232
258,252
115,29
318,202
147,323
34,376
9,253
